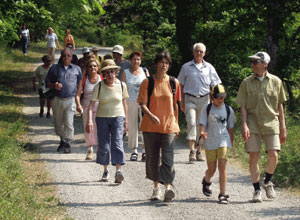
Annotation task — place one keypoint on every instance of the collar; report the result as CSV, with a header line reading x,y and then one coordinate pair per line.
x,y
255,77
62,65
193,63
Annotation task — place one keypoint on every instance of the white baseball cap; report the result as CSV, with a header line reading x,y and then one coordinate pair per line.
x,y
263,56
118,49
85,50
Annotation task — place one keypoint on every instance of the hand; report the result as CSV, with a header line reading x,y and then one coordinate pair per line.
x,y
125,126
245,132
79,109
203,134
58,86
155,120
282,135
89,127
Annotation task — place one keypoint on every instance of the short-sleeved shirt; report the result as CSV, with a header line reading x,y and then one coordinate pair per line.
x,y
69,77
110,99
261,100
24,33
198,79
133,83
161,105
216,126
124,65
51,38
40,74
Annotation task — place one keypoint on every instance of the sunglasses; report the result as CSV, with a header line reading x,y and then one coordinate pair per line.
x,y
112,71
255,61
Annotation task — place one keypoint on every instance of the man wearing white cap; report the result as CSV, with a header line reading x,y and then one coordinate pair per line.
x,y
83,60
261,97
117,52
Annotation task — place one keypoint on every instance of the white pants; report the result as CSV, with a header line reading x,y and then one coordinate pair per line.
x,y
133,114
63,116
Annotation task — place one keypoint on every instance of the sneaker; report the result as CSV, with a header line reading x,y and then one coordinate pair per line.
x,y
61,147
156,195
169,195
257,196
105,176
269,187
89,155
199,156
143,157
48,115
134,157
206,188
67,149
119,177
192,156
223,199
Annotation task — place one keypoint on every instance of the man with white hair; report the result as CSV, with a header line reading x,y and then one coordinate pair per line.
x,y
196,78
261,97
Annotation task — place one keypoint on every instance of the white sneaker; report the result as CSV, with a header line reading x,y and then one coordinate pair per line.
x,y
89,155
257,196
105,176
269,187
156,195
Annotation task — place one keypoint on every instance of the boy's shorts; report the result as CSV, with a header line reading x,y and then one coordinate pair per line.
x,y
272,142
214,155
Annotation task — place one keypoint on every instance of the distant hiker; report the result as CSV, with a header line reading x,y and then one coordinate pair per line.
x,y
261,97
52,43
160,125
83,97
216,128
40,76
196,77
111,119
83,60
69,39
117,53
95,54
64,80
25,38
133,77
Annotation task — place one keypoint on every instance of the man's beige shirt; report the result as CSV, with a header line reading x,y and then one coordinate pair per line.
x,y
261,100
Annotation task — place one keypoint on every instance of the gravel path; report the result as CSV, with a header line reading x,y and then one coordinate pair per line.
x,y
79,189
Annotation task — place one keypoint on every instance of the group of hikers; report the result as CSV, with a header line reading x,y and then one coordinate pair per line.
x,y
115,95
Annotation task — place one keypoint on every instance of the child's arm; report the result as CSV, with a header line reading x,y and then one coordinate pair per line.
x,y
202,131
231,134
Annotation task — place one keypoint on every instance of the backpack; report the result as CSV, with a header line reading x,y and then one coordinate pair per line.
x,y
151,87
100,88
226,106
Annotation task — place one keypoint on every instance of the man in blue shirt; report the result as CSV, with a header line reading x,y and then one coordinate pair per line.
x,y
196,78
64,79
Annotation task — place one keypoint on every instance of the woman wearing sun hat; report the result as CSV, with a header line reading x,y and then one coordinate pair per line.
x,y
110,119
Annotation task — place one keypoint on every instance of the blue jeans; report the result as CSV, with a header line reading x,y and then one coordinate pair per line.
x,y
25,44
110,140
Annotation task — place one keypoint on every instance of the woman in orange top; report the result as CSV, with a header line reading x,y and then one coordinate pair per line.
x,y
160,127
69,39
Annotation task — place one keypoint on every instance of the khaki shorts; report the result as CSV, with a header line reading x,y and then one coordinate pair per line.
x,y
214,155
271,141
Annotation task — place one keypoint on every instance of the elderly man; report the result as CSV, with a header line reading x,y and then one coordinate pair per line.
x,y
196,78
117,52
64,79
261,98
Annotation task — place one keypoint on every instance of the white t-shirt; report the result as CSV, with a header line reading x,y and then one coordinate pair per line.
x,y
133,83
216,126
25,33
51,38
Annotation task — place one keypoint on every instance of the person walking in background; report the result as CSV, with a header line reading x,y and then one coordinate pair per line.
x,y
133,77
95,54
117,53
261,97
25,38
52,43
160,125
83,97
111,119
40,75
216,128
64,80
196,77
69,39
83,60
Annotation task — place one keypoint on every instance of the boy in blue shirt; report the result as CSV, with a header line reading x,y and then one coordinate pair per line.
x,y
216,128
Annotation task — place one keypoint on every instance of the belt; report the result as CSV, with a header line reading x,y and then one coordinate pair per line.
x,y
196,96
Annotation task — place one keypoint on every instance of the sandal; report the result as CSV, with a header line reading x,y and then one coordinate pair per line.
x,y
134,157
223,199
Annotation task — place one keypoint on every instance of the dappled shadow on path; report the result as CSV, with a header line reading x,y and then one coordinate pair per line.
x,y
283,212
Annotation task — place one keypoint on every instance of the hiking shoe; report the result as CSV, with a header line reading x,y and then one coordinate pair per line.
x,y
61,147
169,195
67,148
199,156
89,155
119,177
257,196
223,199
192,156
143,157
269,187
105,176
134,157
206,188
156,195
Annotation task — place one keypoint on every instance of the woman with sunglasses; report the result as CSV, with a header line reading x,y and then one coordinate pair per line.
x,y
111,120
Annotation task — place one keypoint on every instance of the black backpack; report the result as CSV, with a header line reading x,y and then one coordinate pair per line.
x,y
226,106
151,87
